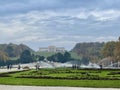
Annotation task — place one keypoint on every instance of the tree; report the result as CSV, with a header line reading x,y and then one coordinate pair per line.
x,y
119,39
26,57
60,57
108,49
41,58
3,58
117,51
67,56
34,57
51,58
91,50
10,50
85,60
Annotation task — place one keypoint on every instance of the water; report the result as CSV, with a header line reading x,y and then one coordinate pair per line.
x,y
47,64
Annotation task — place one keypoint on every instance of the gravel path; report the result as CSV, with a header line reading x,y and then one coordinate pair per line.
x,y
13,69
9,87
5,70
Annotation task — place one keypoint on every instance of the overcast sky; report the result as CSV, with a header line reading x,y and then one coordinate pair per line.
x,y
40,23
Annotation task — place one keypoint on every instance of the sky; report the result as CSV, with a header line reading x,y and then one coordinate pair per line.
x,y
62,23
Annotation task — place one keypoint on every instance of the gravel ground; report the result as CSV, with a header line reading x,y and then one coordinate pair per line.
x,y
9,87
6,70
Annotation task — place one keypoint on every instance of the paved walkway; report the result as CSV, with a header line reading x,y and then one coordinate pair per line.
x,y
6,70
9,87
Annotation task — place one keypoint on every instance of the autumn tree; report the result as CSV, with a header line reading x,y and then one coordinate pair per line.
x,y
3,58
108,49
119,39
117,51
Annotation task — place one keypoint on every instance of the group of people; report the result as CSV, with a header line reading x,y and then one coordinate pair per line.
x,y
9,67
75,66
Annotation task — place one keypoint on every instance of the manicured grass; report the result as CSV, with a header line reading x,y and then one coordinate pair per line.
x,y
16,79
55,82
67,73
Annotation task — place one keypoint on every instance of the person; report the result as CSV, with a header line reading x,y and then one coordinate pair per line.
x,y
8,67
37,66
19,66
101,66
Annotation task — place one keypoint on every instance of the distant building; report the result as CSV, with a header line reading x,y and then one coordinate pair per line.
x,y
52,49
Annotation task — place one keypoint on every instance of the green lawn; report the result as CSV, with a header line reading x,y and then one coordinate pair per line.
x,y
62,73
56,82
61,77
45,54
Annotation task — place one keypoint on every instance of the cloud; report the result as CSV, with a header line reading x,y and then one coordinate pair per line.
x,y
49,23
106,15
24,6
108,38
42,22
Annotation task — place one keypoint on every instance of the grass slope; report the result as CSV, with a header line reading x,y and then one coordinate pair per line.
x,y
46,54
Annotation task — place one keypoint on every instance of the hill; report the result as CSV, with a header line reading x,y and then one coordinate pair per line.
x,y
13,50
91,50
